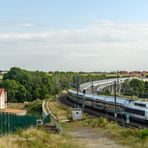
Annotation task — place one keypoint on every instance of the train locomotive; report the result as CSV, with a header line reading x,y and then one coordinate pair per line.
x,y
134,109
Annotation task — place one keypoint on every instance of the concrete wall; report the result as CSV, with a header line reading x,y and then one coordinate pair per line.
x,y
2,101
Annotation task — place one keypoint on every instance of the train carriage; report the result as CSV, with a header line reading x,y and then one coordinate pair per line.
x,y
134,109
137,109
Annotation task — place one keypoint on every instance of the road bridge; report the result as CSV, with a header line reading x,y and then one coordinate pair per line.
x,y
101,85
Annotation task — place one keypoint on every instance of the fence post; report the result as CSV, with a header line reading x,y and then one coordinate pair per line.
x,y
7,124
3,122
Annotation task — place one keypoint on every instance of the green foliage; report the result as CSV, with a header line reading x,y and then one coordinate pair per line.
x,y
23,85
128,132
143,134
15,90
135,87
35,108
106,92
100,122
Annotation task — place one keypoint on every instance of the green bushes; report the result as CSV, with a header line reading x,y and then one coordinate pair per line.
x,y
143,134
35,108
23,85
136,88
128,132
100,122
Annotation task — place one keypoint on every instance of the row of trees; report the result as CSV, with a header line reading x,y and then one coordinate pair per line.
x,y
135,87
22,85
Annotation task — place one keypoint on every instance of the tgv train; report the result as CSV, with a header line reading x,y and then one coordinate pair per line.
x,y
134,109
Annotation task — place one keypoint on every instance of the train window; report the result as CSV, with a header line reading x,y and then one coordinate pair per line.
x,y
135,111
84,91
140,104
86,98
81,97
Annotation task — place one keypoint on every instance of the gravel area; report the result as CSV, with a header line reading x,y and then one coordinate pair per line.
x,y
90,138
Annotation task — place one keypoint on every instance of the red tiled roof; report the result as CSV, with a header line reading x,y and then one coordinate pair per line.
x,y
1,90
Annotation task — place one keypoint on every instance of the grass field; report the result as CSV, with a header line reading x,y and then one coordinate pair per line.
x,y
36,138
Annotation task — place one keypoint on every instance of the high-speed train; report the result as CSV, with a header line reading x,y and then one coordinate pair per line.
x,y
134,109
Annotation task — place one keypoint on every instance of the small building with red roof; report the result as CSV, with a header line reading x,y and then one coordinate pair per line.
x,y
3,105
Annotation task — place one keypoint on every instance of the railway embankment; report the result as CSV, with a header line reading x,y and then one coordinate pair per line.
x,y
88,133
128,137
83,134
92,138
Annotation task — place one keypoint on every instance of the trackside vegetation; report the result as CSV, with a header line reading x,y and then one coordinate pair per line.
x,y
35,108
37,138
135,138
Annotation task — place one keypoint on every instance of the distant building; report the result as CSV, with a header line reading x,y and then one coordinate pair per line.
x,y
3,99
135,73
123,72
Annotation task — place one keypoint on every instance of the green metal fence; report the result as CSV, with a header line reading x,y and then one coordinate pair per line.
x,y
11,122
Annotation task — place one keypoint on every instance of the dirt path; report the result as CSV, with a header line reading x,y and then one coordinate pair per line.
x,y
90,138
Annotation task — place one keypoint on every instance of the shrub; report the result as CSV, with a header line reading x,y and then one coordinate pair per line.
x,y
35,108
143,134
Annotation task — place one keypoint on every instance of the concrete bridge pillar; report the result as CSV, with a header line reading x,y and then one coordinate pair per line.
x,y
111,88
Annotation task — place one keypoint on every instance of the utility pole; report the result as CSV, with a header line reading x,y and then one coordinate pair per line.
x,y
77,90
92,86
51,89
118,85
115,89
54,81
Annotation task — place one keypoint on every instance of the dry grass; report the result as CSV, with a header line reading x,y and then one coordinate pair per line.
x,y
16,105
36,138
133,138
58,110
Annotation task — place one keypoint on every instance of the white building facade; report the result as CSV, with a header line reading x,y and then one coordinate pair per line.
x,y
3,99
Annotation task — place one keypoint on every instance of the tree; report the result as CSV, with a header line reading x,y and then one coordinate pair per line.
x,y
134,87
21,93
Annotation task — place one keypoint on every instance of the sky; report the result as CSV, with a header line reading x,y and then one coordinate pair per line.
x,y
74,35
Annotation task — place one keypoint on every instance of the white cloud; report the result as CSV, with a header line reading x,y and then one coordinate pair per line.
x,y
16,24
103,45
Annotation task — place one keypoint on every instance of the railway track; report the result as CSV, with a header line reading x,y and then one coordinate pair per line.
x,y
98,113
47,111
